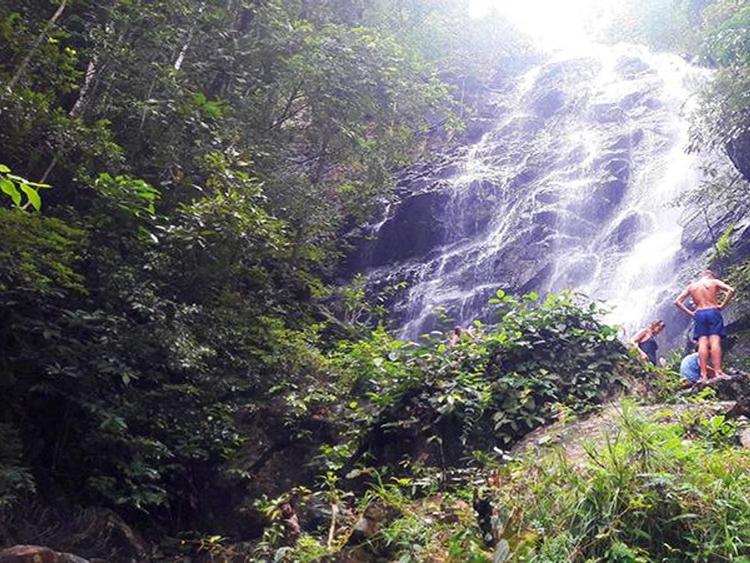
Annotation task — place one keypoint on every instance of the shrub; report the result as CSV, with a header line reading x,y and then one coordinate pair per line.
x,y
410,415
648,494
15,480
439,402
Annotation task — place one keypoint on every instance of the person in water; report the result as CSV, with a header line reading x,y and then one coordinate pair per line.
x,y
707,320
645,341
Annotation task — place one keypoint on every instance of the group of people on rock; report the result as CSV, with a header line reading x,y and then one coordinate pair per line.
x,y
709,296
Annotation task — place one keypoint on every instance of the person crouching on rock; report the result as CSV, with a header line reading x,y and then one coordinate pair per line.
x,y
708,324
690,369
645,341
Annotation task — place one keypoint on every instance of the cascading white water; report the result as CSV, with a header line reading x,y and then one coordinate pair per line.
x,y
573,187
632,280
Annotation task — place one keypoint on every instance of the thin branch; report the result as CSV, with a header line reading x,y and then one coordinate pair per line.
x,y
288,106
43,179
332,529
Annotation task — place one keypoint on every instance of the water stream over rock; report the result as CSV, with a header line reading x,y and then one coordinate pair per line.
x,y
573,186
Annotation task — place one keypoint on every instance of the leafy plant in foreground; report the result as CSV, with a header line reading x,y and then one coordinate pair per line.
x,y
437,403
16,187
648,493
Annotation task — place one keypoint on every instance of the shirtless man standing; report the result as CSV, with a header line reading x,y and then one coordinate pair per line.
x,y
709,324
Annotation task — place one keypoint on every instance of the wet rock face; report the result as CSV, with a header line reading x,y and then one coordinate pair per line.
x,y
571,187
414,229
632,67
739,153
625,234
550,103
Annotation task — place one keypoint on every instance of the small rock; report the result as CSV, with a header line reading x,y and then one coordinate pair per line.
x,y
103,526
500,521
374,519
502,552
744,436
548,440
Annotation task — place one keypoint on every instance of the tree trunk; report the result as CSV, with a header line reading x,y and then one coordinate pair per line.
x,y
186,46
87,81
83,96
27,59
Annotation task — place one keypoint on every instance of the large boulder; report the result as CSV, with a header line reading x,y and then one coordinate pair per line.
x,y
93,533
37,554
735,388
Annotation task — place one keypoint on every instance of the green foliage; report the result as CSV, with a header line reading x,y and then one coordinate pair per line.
x,y
723,246
208,160
556,352
408,536
410,415
15,480
212,108
718,32
16,188
662,384
38,254
718,431
652,492
441,401
438,527
306,550
723,116
356,312
728,42
129,194
662,24
738,277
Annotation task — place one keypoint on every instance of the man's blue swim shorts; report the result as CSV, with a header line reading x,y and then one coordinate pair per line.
x,y
708,322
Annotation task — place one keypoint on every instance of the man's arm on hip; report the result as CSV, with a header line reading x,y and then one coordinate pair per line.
x,y
680,302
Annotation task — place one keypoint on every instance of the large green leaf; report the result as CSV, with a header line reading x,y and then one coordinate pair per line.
x,y
9,188
33,195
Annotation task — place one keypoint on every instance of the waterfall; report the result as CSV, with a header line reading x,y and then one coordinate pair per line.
x,y
575,185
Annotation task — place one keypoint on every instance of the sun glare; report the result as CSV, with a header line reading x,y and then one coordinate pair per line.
x,y
554,24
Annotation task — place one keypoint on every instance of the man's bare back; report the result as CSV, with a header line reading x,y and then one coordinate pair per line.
x,y
705,293
708,326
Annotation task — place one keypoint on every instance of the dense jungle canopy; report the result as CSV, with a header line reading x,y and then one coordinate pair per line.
x,y
185,349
